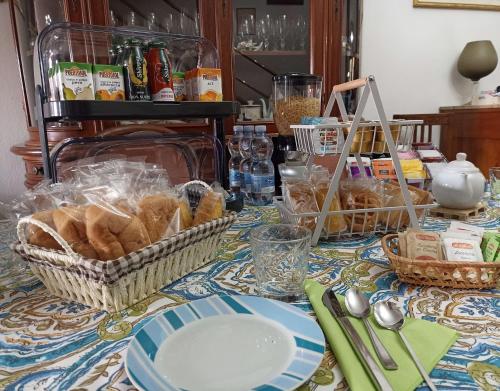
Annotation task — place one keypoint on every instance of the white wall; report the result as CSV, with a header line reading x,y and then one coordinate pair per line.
x,y
12,117
413,53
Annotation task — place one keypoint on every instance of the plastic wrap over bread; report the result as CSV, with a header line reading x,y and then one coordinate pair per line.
x,y
105,210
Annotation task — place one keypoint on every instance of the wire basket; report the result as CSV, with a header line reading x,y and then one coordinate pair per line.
x,y
328,139
357,221
451,274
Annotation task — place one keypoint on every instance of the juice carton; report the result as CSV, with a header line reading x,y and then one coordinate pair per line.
x,y
72,81
108,82
206,84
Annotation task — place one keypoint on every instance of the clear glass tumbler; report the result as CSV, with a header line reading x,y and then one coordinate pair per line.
x,y
281,260
495,185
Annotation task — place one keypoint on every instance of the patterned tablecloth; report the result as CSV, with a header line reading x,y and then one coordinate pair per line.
x,y
49,343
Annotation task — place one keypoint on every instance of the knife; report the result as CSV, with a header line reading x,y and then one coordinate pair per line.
x,y
332,303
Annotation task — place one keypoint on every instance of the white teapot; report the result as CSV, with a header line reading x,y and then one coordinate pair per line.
x,y
460,185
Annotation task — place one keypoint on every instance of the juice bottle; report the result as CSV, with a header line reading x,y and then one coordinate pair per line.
x,y
135,72
160,73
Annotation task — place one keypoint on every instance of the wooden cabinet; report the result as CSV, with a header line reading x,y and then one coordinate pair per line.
x,y
474,130
330,48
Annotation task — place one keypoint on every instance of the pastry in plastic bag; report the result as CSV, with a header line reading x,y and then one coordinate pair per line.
x,y
211,206
38,236
333,223
156,212
70,224
361,193
393,196
300,198
113,232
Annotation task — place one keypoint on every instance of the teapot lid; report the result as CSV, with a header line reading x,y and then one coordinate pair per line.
x,y
462,164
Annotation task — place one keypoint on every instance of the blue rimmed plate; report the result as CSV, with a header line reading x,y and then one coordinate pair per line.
x,y
226,343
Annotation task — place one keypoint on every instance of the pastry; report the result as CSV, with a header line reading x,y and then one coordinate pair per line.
x,y
393,196
113,232
210,207
156,213
70,224
300,198
38,236
186,216
334,223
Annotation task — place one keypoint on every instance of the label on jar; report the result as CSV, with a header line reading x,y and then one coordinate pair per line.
x,y
263,184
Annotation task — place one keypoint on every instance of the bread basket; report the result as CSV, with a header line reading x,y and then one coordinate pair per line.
x,y
120,283
473,275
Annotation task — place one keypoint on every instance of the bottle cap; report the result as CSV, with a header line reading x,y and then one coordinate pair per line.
x,y
260,128
237,128
248,128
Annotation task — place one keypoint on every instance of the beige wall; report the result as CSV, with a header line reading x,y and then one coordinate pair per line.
x,y
12,116
413,53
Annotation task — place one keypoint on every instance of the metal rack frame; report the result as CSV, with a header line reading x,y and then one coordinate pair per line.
x,y
370,87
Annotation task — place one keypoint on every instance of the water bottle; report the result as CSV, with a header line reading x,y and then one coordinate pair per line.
x,y
235,160
246,161
262,168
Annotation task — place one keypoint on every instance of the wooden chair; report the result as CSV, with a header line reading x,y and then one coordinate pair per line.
x,y
423,133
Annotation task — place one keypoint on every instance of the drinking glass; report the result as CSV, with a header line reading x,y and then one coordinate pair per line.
x,y
495,185
281,258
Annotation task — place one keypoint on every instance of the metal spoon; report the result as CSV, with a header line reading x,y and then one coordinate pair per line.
x,y
359,306
389,316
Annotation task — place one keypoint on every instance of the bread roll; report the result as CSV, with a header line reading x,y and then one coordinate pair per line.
x,y
210,207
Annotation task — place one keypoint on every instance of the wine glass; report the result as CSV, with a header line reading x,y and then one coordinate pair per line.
x,y
169,24
152,22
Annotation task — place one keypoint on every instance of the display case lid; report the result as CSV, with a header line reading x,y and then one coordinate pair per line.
x,y
184,156
84,43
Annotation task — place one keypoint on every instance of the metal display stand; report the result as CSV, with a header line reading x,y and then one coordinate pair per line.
x,y
93,41
307,137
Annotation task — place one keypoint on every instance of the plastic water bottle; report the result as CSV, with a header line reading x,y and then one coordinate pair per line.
x,y
262,168
235,180
246,161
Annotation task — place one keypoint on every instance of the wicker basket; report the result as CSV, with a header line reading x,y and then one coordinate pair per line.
x,y
120,283
474,275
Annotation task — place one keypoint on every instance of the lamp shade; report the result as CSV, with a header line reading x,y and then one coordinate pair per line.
x,y
477,60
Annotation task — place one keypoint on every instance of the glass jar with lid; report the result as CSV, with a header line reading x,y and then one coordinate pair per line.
x,y
295,95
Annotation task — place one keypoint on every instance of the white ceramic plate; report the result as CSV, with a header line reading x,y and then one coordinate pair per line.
x,y
226,343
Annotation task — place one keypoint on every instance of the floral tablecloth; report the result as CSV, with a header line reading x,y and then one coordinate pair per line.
x,y
49,343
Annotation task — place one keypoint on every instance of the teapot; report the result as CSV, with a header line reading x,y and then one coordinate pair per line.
x,y
460,185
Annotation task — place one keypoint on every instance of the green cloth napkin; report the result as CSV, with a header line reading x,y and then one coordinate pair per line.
x,y
429,340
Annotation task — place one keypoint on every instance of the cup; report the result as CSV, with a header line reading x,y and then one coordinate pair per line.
x,y
495,185
281,260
